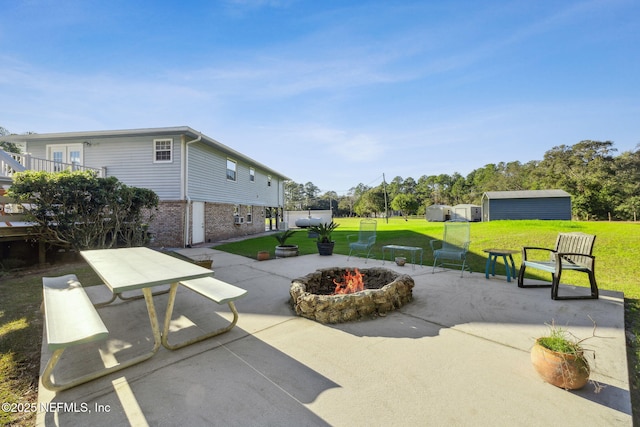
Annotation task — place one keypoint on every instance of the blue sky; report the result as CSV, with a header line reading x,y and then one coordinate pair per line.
x,y
332,92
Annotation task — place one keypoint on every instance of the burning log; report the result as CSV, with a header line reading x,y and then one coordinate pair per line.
x,y
353,282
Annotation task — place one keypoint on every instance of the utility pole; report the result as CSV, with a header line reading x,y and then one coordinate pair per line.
x,y
386,208
331,206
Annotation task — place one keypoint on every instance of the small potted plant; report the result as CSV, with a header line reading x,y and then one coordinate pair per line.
x,y
283,250
263,255
559,359
323,232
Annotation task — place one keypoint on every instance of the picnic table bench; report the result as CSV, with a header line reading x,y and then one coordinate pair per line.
x,y
573,252
72,319
217,291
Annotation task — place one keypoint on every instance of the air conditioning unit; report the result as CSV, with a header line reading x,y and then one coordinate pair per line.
x,y
238,220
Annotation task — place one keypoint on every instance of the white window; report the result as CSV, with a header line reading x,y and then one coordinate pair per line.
x,y
252,175
64,156
162,150
249,213
231,170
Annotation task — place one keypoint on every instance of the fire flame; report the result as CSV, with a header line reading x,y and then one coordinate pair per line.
x,y
352,283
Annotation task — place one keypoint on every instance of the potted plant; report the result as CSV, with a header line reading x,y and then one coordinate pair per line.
x,y
283,250
323,232
559,359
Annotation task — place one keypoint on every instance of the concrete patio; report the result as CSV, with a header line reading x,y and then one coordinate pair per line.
x,y
457,355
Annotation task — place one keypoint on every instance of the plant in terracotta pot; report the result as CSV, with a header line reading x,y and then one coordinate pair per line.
x,y
263,255
283,250
559,359
323,232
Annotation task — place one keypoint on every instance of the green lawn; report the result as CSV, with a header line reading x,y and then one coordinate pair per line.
x,y
617,249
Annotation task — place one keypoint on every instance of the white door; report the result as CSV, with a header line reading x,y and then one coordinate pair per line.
x,y
197,234
64,155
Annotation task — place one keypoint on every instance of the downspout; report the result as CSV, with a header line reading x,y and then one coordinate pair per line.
x,y
280,182
187,211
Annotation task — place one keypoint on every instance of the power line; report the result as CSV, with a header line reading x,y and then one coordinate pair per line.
x,y
344,192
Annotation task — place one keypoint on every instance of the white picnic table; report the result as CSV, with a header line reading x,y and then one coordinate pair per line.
x,y
128,269
72,319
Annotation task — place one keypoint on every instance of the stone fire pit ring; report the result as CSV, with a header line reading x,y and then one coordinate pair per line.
x,y
386,290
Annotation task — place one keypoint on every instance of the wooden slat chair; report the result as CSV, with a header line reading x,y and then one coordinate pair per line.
x,y
573,252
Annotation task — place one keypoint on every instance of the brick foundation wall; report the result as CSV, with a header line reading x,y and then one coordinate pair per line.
x,y
219,222
168,224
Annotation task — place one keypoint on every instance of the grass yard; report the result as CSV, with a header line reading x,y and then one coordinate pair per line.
x,y
617,251
617,248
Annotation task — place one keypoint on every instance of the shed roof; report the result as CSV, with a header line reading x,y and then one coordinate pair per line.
x,y
526,194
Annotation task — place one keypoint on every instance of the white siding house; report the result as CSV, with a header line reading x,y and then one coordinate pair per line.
x,y
207,190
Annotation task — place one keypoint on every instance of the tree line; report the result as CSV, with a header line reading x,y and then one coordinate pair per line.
x,y
603,186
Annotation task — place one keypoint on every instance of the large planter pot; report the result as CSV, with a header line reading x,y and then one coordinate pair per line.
x,y
286,251
325,248
568,371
